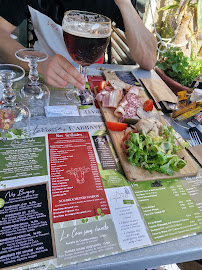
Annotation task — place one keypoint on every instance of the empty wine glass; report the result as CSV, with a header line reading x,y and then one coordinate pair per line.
x,y
34,94
86,37
12,115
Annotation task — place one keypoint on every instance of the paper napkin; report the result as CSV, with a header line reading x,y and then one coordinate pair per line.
x,y
159,90
62,110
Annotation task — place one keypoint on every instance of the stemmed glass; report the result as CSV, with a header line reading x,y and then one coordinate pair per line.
x,y
34,94
12,115
86,37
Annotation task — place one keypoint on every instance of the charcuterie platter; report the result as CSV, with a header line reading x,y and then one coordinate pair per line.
x,y
112,112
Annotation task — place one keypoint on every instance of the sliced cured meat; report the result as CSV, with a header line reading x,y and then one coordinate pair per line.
x,y
119,112
129,104
130,110
110,97
133,90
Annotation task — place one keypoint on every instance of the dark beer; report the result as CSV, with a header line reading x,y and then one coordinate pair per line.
x,y
85,50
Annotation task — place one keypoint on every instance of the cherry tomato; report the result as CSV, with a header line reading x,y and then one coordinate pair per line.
x,y
148,105
101,85
116,126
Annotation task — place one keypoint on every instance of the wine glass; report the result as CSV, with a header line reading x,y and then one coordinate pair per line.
x,y
12,115
34,94
86,36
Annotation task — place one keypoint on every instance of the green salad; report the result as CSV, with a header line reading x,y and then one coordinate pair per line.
x,y
156,153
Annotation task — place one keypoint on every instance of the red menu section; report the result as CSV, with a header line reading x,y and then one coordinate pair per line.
x,y
76,185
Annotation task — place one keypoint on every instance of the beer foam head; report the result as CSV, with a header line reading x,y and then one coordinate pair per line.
x,y
86,24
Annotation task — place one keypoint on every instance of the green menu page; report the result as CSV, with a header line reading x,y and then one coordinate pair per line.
x,y
23,158
167,208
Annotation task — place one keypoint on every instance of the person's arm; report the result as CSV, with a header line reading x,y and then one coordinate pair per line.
x,y
8,46
56,70
141,42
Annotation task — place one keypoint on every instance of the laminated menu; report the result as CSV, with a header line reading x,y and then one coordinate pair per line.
x,y
76,184
25,226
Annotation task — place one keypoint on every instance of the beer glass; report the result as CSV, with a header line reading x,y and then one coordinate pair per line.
x,y
34,94
86,36
12,115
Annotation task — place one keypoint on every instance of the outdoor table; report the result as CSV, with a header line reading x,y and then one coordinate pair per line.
x,y
175,251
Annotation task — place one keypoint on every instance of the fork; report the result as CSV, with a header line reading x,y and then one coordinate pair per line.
x,y
195,140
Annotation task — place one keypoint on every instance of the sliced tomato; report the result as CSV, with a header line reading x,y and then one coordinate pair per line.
x,y
126,137
148,105
101,85
116,126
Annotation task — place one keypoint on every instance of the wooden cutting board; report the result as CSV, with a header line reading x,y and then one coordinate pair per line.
x,y
135,173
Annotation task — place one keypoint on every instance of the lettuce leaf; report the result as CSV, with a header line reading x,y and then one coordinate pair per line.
x,y
156,153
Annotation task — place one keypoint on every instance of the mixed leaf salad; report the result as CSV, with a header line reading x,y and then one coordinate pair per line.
x,y
156,153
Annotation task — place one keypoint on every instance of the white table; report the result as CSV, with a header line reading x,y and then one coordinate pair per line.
x,y
182,250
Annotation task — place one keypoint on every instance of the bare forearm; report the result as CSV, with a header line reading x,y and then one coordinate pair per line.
x,y
8,47
141,42
57,71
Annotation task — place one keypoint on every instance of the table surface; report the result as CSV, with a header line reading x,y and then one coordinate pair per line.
x,y
186,249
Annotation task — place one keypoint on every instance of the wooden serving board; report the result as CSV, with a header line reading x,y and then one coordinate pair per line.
x,y
139,174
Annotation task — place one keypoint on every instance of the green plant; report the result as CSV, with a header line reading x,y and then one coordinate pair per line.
x,y
183,19
186,4
179,67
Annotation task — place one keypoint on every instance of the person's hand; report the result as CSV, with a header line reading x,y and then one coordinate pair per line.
x,y
58,72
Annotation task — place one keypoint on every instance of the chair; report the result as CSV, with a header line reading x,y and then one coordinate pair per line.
x,y
118,51
31,37
20,33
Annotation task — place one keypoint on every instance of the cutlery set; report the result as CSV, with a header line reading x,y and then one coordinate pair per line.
x,y
195,136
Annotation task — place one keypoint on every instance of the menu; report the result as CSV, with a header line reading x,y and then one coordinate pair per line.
x,y
23,158
168,209
130,227
106,157
76,185
95,211
25,226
